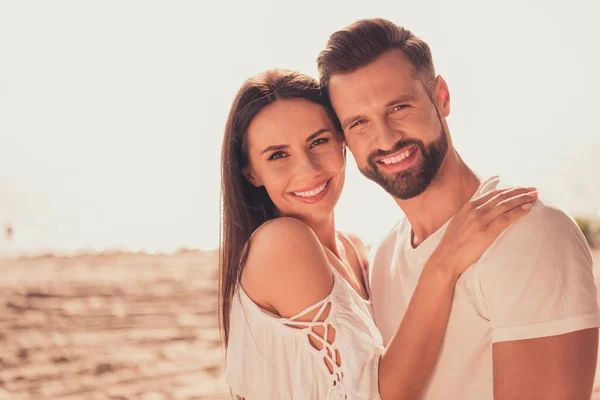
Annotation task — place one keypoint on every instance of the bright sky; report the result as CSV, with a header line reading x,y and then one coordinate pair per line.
x,y
112,112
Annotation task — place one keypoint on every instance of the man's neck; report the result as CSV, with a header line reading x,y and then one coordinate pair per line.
x,y
453,186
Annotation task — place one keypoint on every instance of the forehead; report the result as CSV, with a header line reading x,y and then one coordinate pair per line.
x,y
285,120
386,78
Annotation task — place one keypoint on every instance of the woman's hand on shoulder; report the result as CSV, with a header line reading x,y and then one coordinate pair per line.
x,y
477,225
286,269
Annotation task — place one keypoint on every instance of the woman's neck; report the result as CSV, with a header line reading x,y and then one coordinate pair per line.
x,y
325,231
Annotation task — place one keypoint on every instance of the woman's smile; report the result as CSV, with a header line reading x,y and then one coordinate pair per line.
x,y
312,194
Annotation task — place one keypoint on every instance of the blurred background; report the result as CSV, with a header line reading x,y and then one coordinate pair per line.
x,y
111,120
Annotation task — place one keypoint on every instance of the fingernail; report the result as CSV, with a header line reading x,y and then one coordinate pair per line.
x,y
535,193
526,206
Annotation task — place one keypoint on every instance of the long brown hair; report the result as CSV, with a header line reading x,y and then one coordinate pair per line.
x,y
245,207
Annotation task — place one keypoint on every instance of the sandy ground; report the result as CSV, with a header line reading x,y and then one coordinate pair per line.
x,y
114,326
117,327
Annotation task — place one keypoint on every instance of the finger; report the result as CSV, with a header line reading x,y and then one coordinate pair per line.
x,y
502,196
499,194
504,203
495,196
502,221
485,209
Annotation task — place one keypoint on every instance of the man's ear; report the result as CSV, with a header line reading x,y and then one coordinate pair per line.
x,y
250,177
441,96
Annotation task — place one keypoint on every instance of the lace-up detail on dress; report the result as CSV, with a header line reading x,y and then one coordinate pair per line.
x,y
328,351
321,336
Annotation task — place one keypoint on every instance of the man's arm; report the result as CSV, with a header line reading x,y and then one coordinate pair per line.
x,y
539,294
548,368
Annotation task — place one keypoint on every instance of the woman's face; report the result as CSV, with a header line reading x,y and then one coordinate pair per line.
x,y
296,154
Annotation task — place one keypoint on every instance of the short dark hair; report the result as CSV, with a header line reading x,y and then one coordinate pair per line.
x,y
365,40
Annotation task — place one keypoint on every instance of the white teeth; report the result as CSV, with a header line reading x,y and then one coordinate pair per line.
x,y
311,193
396,159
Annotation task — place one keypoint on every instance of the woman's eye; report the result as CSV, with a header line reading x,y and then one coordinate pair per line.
x,y
318,142
277,155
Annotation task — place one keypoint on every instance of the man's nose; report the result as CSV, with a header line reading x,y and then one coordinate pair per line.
x,y
387,136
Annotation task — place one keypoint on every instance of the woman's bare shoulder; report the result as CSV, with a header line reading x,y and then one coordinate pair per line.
x,y
287,269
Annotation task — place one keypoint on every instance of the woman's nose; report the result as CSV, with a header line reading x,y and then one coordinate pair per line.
x,y
308,167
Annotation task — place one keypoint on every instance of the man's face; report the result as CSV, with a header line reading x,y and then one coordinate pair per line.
x,y
391,125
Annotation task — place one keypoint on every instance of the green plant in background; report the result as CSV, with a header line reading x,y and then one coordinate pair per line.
x,y
590,229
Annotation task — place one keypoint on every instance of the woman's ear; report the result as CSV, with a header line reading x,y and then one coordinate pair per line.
x,y
250,177
342,141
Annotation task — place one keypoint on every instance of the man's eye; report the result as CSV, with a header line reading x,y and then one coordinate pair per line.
x,y
318,142
399,107
277,155
356,123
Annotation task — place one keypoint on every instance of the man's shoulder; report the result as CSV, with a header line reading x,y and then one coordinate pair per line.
x,y
545,220
546,232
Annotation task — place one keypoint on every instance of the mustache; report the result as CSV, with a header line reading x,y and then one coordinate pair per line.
x,y
397,147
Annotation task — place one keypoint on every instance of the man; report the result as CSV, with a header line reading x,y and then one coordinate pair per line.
x,y
524,319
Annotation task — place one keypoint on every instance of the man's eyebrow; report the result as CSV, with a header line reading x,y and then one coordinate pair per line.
x,y
349,120
399,99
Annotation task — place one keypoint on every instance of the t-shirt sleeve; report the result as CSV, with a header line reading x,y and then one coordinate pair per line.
x,y
537,278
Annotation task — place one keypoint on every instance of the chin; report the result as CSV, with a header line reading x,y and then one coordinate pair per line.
x,y
311,213
314,212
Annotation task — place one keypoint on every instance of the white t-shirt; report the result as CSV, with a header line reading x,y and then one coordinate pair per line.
x,y
535,280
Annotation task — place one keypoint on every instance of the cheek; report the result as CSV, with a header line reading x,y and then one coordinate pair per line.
x,y
276,180
360,149
430,125
418,124
332,159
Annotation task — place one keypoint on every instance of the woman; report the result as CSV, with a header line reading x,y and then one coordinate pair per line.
x,y
294,300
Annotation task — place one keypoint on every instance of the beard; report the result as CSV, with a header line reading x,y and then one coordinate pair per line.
x,y
413,181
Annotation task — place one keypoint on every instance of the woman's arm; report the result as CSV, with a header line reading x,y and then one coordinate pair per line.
x,y
287,271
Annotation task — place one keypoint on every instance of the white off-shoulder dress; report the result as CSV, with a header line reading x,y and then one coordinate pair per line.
x,y
272,358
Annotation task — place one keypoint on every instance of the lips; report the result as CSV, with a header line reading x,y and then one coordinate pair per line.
x,y
312,194
397,156
399,160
